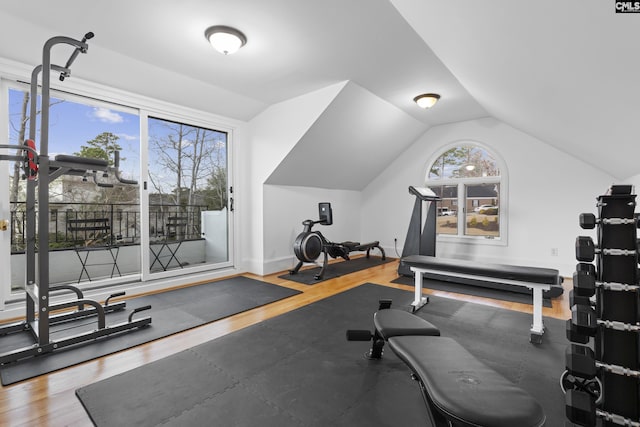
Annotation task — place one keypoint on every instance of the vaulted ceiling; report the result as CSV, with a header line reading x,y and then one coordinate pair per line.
x,y
565,72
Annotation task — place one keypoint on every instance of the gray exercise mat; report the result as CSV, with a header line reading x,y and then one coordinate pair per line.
x,y
172,312
297,369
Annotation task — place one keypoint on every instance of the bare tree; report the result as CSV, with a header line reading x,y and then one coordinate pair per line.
x,y
184,160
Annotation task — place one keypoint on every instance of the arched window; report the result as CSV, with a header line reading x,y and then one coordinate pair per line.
x,y
471,181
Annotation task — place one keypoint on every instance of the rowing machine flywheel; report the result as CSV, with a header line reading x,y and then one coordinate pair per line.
x,y
307,246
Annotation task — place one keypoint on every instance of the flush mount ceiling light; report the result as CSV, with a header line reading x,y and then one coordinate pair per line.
x,y
225,39
426,100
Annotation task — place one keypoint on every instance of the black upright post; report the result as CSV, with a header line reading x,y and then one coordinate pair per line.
x,y
613,346
420,240
607,388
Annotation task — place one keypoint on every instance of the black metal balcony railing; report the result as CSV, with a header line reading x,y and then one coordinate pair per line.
x,y
123,224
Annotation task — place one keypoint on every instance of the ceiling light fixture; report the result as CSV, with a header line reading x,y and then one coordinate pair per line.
x,y
225,39
426,100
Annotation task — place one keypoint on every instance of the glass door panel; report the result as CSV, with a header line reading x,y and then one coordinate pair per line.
x,y
188,196
94,219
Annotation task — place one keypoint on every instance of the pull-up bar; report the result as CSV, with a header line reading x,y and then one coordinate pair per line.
x,y
41,171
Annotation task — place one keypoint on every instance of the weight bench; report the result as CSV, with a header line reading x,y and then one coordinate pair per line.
x,y
463,271
458,389
390,323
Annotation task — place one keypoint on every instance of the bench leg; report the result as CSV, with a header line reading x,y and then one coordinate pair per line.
x,y
418,301
537,328
376,347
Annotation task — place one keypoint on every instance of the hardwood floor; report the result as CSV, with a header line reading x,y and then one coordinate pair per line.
x,y
49,400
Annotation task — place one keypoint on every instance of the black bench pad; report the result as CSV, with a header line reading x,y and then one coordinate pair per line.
x,y
391,323
487,273
82,160
500,271
464,389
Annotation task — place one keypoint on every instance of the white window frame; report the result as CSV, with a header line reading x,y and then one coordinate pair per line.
x,y
503,180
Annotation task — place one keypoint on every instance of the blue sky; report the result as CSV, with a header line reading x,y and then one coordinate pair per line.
x,y
72,124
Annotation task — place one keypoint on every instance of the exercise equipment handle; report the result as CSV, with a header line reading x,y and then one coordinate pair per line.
x,y
358,335
138,310
116,164
82,48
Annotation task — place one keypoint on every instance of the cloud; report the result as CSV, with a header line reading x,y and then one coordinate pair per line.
x,y
106,115
128,137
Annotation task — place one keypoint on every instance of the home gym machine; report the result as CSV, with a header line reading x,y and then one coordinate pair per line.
x,y
602,377
39,171
310,244
420,240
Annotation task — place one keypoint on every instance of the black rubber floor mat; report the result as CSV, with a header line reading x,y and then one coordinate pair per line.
x,y
172,312
297,369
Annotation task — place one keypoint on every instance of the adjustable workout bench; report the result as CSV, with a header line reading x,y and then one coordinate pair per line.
x,y
469,272
388,323
459,390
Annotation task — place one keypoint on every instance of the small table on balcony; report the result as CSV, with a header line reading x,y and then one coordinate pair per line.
x,y
173,227
94,227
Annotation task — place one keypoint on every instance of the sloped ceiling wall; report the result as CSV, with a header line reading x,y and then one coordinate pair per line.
x,y
349,144
562,71
565,71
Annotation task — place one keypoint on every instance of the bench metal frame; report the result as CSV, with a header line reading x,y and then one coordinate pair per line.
x,y
537,327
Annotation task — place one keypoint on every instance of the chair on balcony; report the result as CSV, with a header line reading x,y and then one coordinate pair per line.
x,y
175,232
95,233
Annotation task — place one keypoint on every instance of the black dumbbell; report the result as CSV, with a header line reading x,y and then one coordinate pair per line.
x,y
573,335
586,250
577,299
584,319
580,361
589,221
584,284
580,408
586,267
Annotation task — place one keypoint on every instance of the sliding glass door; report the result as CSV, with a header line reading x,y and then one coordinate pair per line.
x,y
169,213
188,199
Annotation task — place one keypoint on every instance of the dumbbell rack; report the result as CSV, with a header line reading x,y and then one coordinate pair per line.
x,y
602,381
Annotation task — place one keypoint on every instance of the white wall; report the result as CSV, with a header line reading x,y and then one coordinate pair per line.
x,y
548,189
267,140
286,207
